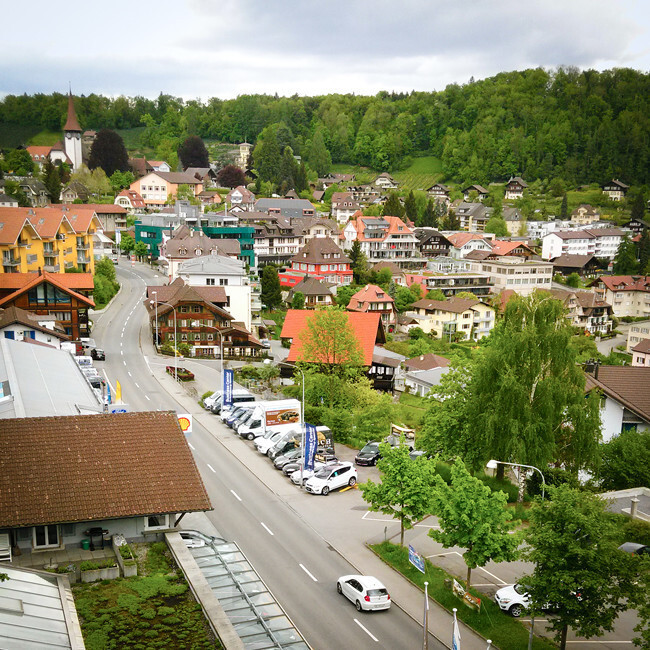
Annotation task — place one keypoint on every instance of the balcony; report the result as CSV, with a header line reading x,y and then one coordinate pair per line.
x,y
10,261
83,247
51,268
83,259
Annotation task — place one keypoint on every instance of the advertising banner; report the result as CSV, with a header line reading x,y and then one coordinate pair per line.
x,y
228,379
282,416
416,559
310,445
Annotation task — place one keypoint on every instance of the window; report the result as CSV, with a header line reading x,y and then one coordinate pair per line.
x,y
156,522
196,309
46,536
223,282
209,282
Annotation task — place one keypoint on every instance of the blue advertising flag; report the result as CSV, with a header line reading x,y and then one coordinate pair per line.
x,y
310,445
228,378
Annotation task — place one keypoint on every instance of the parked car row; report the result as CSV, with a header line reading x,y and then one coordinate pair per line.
x,y
281,442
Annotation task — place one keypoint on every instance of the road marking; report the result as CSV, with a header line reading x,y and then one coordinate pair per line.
x,y
492,575
124,362
235,495
268,530
189,444
212,468
122,352
147,396
307,572
129,373
137,385
374,638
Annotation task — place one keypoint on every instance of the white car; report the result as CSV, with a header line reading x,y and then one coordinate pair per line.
x,y
366,592
263,444
513,599
331,477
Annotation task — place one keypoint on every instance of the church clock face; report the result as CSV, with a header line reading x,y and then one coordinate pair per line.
x,y
68,135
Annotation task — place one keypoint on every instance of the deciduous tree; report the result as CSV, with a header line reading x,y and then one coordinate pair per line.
x,y
393,207
579,570
231,176
192,153
108,152
473,517
406,487
497,226
298,300
625,461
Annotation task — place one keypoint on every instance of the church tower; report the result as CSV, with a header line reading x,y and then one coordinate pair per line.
x,y
72,136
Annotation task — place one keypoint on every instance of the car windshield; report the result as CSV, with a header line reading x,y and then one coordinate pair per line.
x,y
521,590
324,472
370,448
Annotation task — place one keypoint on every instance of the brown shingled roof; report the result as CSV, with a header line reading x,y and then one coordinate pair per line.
x,y
628,385
93,467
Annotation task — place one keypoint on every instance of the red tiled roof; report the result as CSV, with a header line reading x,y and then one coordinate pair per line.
x,y
75,281
427,362
57,279
500,247
395,226
625,282
459,239
643,347
106,208
365,326
370,293
39,151
12,223
94,467
625,384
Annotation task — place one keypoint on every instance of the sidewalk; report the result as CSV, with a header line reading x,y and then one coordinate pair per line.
x,y
404,594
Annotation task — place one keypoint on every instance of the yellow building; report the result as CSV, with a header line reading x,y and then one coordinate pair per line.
x,y
454,318
51,239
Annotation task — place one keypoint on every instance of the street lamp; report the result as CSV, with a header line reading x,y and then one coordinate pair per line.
x,y
302,420
492,464
199,324
155,293
155,302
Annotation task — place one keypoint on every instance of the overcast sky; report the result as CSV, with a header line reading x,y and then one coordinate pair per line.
x,y
223,48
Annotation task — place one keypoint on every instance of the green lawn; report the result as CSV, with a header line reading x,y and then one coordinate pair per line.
x,y
422,174
506,632
131,138
14,135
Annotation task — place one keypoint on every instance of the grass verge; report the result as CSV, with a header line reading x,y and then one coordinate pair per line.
x,y
153,610
506,632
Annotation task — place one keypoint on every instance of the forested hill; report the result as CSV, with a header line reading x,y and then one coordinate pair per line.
x,y
579,126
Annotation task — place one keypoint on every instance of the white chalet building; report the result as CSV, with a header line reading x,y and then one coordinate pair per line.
x,y
226,272
384,239
601,242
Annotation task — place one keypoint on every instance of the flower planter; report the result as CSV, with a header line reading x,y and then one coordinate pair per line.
x,y
127,564
91,575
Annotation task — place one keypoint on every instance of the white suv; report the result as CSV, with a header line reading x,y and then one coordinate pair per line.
x,y
332,477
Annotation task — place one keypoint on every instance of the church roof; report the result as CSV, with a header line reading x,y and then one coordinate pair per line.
x,y
71,124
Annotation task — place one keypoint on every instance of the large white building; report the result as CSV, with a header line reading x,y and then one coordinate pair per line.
x,y
601,242
226,272
384,239
516,273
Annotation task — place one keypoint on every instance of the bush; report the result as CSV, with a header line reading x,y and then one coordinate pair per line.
x,y
125,551
248,372
553,476
89,565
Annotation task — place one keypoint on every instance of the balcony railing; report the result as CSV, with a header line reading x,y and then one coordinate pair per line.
x,y
83,259
51,268
10,261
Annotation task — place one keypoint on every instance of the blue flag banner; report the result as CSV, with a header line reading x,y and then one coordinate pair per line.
x,y
416,559
228,379
311,444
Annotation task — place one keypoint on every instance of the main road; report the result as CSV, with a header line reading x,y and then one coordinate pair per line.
x,y
289,552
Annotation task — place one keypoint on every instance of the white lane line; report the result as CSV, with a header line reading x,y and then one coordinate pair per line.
x,y
147,396
235,495
268,530
302,566
124,362
492,576
122,352
374,638
137,385
129,373
212,468
189,444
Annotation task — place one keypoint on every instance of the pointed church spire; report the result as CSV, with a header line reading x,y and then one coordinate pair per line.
x,y
72,124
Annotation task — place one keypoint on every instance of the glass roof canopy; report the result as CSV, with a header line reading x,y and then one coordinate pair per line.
x,y
257,618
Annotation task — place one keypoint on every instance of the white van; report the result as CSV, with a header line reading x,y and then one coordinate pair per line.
x,y
237,400
274,415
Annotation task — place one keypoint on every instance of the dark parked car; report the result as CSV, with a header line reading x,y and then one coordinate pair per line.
x,y
97,354
289,457
369,455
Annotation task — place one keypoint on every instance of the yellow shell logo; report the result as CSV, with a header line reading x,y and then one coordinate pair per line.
x,y
185,423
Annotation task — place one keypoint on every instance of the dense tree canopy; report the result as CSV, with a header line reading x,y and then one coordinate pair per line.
x,y
109,153
192,153
571,125
231,176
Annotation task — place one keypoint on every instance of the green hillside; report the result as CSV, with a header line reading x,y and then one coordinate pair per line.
x,y
15,135
421,174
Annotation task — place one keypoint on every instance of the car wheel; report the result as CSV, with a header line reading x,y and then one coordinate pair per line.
x,y
250,436
516,610
268,453
352,482
359,608
325,491
338,587
374,461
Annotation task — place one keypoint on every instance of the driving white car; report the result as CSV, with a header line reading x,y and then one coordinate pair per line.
x,y
332,477
366,592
